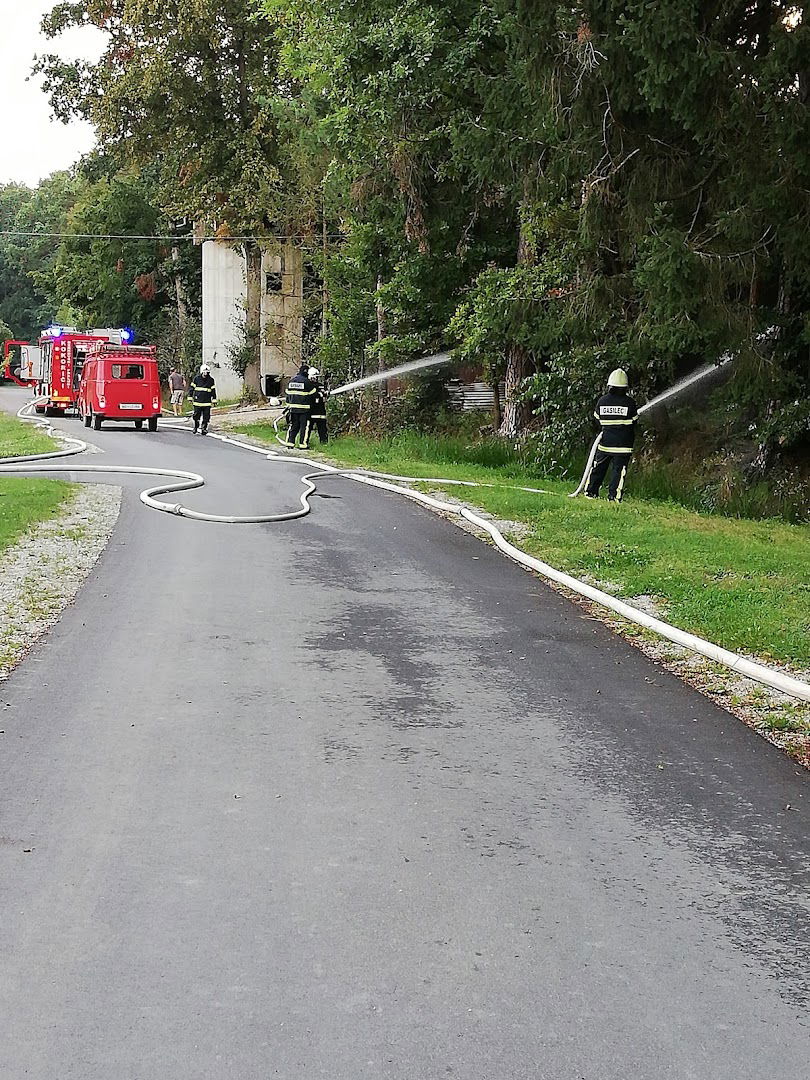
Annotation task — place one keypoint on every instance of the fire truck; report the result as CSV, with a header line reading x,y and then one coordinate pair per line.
x,y
53,367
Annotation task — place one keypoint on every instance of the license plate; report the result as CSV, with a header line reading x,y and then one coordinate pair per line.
x,y
132,406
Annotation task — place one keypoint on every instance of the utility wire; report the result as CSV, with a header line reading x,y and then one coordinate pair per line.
x,y
175,239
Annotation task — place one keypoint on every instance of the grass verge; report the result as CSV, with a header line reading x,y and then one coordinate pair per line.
x,y
25,502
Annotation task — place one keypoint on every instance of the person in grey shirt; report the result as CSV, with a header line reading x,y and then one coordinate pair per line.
x,y
177,386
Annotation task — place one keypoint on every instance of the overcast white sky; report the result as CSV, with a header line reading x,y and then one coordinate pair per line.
x,y
32,145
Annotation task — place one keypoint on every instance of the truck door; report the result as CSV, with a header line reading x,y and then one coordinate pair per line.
x,y
31,363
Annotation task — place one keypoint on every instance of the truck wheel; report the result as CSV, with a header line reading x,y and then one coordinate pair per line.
x,y
88,419
97,422
152,423
139,425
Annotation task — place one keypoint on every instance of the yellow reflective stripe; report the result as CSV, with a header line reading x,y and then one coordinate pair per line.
x,y
615,449
298,408
614,422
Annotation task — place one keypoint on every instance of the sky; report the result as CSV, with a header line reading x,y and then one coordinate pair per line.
x,y
32,144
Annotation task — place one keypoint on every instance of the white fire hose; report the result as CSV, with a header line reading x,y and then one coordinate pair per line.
x,y
739,664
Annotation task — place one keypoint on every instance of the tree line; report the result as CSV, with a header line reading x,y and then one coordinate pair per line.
x,y
67,256
553,190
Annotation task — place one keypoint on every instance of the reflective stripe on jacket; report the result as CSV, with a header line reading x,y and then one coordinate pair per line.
x,y
617,414
318,405
202,390
300,393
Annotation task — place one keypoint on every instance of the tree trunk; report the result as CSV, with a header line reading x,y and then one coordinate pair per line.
x,y
382,332
253,314
765,448
516,414
325,292
519,360
497,413
182,310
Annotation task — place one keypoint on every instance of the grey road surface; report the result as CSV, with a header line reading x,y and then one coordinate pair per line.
x,y
354,797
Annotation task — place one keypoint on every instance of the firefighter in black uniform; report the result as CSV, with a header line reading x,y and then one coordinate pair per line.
x,y
617,414
203,394
300,395
317,416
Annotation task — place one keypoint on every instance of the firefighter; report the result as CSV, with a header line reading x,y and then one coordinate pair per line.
x,y
300,396
203,394
317,417
617,414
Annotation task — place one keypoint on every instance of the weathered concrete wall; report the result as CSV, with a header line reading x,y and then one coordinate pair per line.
x,y
282,310
224,295
223,311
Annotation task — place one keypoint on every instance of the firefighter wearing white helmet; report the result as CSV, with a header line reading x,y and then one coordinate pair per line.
x,y
298,402
617,414
203,394
317,416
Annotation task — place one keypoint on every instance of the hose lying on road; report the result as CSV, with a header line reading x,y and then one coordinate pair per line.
x,y
189,480
736,663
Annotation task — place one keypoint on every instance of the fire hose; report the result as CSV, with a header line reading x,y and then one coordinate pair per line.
x,y
740,665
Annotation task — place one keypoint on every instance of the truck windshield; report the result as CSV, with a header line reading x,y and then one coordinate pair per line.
x,y
127,371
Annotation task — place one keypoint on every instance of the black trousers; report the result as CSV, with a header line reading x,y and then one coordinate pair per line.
x,y
617,463
202,413
318,423
298,426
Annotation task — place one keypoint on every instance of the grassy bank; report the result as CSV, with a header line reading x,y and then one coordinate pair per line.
x,y
742,584
25,502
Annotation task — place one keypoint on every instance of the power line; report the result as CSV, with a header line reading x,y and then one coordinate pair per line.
x,y
175,239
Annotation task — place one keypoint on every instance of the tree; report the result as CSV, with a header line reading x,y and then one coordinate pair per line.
x,y
187,91
378,90
654,170
29,217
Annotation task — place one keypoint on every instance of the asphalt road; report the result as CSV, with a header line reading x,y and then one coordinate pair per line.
x,y
355,797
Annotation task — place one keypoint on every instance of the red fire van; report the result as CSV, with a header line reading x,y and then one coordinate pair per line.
x,y
120,382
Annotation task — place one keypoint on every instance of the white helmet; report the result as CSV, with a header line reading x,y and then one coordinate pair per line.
x,y
204,369
313,373
618,378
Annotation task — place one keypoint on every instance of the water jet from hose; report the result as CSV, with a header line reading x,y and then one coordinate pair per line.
x,y
392,373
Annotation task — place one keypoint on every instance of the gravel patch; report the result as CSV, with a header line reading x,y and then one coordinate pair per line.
x,y
44,570
514,531
247,414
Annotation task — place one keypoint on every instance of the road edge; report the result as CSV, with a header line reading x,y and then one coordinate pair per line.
x,y
44,570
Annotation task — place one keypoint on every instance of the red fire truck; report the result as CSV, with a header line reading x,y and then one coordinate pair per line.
x,y
120,382
53,367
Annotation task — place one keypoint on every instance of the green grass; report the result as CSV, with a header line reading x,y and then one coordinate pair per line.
x,y
17,438
742,584
25,502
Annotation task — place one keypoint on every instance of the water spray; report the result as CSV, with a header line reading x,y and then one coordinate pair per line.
x,y
392,373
